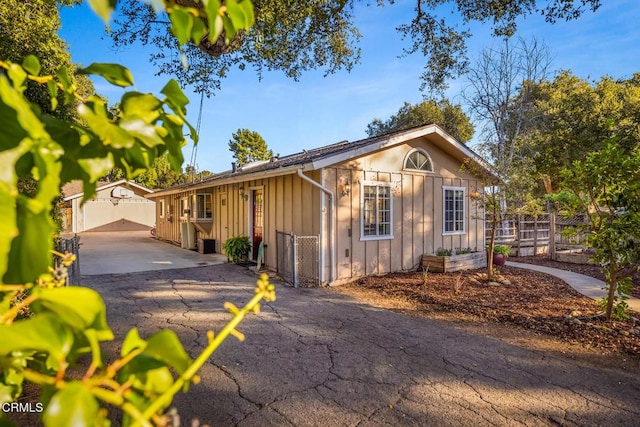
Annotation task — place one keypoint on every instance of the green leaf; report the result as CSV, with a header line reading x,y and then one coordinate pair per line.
x,y
131,342
80,308
249,15
140,105
175,96
7,394
198,31
94,112
72,406
229,29
211,9
69,88
29,256
216,28
114,73
31,64
103,8
166,347
18,77
156,381
96,168
44,333
17,118
53,93
181,24
240,13
143,131
8,226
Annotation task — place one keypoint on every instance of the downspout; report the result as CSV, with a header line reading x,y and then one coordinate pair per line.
x,y
332,222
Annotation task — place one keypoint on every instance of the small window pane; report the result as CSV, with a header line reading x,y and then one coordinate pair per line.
x,y
454,211
417,160
376,210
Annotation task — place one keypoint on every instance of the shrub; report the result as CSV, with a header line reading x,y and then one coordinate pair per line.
x,y
502,250
237,248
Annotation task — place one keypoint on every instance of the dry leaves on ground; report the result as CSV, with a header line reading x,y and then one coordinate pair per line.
x,y
529,299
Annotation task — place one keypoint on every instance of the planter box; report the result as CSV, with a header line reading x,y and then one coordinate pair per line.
x,y
445,264
574,257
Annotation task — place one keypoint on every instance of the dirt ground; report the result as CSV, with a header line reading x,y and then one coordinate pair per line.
x,y
541,304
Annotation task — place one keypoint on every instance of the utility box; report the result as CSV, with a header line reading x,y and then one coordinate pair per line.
x,y
206,246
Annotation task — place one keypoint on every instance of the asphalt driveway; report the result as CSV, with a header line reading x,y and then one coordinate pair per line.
x,y
132,251
316,357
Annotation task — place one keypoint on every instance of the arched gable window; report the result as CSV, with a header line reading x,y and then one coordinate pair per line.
x,y
418,160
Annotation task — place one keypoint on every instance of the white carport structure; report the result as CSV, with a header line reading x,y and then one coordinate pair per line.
x,y
117,206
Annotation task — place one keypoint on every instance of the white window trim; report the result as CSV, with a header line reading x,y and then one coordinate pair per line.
x,y
195,213
464,210
377,184
420,150
162,208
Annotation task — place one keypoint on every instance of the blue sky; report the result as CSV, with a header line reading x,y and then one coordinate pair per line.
x,y
320,110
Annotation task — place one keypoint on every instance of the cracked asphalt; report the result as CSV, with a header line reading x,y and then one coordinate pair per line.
x,y
316,357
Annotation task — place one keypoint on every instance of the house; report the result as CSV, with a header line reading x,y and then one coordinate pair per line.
x,y
117,206
374,206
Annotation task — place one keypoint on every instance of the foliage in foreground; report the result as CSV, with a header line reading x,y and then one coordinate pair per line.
x,y
68,323
294,37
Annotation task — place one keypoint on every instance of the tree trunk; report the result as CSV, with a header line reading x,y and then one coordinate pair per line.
x,y
612,283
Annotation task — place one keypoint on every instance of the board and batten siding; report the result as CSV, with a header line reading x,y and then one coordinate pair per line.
x,y
417,221
290,204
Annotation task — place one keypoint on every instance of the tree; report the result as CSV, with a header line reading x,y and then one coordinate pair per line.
x,y
309,34
31,28
248,146
40,349
450,117
160,175
573,117
606,186
501,95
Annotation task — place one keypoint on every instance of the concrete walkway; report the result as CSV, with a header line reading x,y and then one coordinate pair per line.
x,y
587,286
134,251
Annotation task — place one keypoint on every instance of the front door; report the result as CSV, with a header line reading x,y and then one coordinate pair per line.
x,y
223,219
257,220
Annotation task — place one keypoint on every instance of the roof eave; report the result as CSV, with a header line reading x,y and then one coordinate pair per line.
x,y
109,185
288,170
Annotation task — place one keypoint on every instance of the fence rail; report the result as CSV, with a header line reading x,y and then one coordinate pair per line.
x,y
71,245
297,259
533,235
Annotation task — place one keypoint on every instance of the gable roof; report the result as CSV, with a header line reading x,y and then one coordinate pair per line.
x,y
318,158
73,190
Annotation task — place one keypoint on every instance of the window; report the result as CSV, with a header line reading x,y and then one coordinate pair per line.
x,y
162,206
377,206
418,160
203,206
454,208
